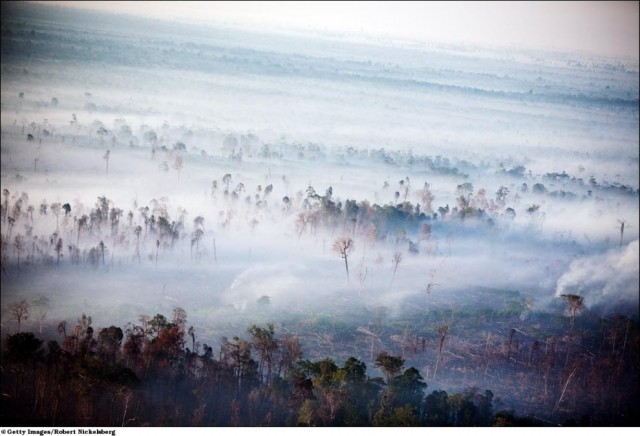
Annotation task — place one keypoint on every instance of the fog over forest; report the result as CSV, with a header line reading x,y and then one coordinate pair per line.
x,y
149,165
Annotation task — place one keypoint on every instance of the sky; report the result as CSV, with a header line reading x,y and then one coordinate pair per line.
x,y
603,28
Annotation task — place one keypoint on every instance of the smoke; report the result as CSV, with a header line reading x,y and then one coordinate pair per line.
x,y
608,282
276,281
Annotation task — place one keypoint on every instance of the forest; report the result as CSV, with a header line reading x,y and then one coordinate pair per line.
x,y
147,375
230,228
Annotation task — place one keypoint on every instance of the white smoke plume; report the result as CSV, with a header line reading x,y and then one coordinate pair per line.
x,y
607,282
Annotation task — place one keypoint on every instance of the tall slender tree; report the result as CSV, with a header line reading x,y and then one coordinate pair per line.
x,y
343,246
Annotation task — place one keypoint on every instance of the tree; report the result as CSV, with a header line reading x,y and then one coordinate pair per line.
x,y
109,341
575,304
11,222
192,333
106,158
395,261
62,329
429,290
344,246
437,409
22,347
197,235
623,223
244,367
408,389
263,341
5,204
102,132
19,245
390,365
443,331
19,310
21,352
198,222
501,194
427,198
59,248
226,179
179,317
81,340
539,188
137,230
102,249
178,164
56,208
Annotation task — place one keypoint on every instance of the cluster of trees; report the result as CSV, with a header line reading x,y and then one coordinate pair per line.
x,y
408,218
90,235
157,372
147,374
262,379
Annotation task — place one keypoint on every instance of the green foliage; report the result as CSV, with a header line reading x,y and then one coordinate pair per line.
x,y
408,389
353,371
389,365
437,409
404,416
92,367
154,371
156,325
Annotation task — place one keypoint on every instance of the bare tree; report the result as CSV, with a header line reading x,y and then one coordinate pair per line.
x,y
192,333
426,196
344,246
178,164
195,240
226,179
102,248
138,231
59,248
375,338
4,253
575,303
157,249
443,331
11,222
5,204
62,328
19,310
106,158
428,289
623,223
395,261
19,245
56,208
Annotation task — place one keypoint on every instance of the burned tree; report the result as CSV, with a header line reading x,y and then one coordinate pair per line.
x,y
344,246
395,261
443,331
106,158
575,303
19,310
623,223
